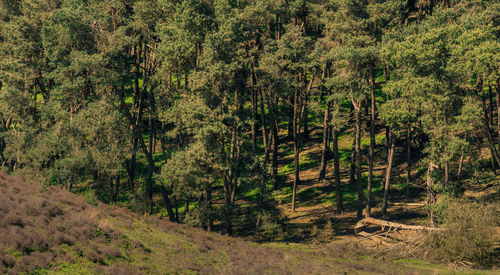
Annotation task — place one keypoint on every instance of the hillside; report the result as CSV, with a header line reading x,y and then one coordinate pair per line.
x,y
48,230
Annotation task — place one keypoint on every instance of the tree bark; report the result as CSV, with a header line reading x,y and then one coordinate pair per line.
x,y
254,113
493,150
371,221
168,205
388,172
336,172
372,145
263,123
274,163
498,108
490,93
290,119
460,165
431,193
325,147
358,108
408,161
296,149
208,191
352,167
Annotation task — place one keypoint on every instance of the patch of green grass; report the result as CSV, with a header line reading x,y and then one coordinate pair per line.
x,y
305,162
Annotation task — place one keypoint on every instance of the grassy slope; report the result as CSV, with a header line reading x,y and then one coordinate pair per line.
x,y
47,230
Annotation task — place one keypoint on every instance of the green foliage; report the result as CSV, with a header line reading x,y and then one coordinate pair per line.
x,y
469,232
91,197
133,98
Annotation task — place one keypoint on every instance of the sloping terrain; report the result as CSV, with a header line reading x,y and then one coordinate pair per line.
x,y
47,230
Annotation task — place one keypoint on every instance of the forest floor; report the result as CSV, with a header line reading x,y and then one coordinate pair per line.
x,y
47,230
316,208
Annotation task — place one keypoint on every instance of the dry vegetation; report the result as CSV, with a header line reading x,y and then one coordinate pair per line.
x,y
50,230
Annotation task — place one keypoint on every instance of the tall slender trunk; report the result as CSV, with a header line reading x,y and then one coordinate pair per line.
x,y
114,188
263,122
151,168
446,173
290,119
431,193
498,108
388,172
372,145
296,149
493,150
305,122
460,165
358,108
352,167
490,93
274,163
408,161
387,76
325,147
336,172
254,114
208,192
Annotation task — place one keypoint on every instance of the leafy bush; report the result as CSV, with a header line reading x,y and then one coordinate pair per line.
x,y
90,197
468,237
199,216
323,235
270,221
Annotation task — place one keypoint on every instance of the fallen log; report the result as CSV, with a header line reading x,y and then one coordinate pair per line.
x,y
393,225
407,204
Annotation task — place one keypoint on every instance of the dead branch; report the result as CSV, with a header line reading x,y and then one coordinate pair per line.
x,y
392,225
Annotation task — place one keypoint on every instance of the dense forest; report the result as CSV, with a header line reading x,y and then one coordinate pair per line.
x,y
213,112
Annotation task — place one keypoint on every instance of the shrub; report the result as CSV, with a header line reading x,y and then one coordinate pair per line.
x,y
90,197
199,216
469,235
7,260
93,256
270,221
323,235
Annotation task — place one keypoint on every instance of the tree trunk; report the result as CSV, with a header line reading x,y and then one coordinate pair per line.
x,y
151,168
114,188
305,123
431,193
408,161
460,165
352,167
263,123
490,93
498,108
325,147
446,173
388,172
274,163
491,143
208,191
336,172
290,120
372,145
254,114
168,205
186,207
358,108
176,209
392,225
296,133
